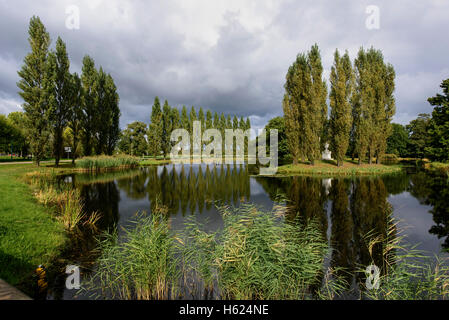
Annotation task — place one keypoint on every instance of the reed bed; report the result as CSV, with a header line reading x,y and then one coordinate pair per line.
x,y
142,266
66,200
257,255
99,163
407,273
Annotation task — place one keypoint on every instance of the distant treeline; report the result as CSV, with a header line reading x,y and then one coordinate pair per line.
x,y
154,139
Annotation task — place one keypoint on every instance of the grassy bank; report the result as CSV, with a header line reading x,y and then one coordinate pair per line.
x,y
153,161
29,232
437,167
329,168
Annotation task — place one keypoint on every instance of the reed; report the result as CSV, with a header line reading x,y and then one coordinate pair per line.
x,y
407,273
257,255
142,265
99,163
65,200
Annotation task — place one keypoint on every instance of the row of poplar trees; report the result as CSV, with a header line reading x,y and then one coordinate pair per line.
x,y
166,118
55,99
361,106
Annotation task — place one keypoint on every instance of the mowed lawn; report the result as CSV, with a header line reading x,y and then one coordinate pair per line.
x,y
29,233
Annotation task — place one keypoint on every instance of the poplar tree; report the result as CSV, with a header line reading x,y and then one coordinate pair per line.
x,y
155,128
216,120
75,116
33,78
166,128
209,123
201,118
292,126
373,104
316,109
193,117
185,121
222,127
61,91
362,102
296,98
340,123
175,118
184,118
89,81
113,127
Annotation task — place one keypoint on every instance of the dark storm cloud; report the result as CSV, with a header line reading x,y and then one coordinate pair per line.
x,y
228,56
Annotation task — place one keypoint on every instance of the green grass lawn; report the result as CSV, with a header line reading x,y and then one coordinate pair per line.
x,y
328,167
29,234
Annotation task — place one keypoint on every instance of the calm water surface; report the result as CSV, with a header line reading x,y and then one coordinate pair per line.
x,y
347,209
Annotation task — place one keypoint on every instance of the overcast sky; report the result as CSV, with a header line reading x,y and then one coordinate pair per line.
x,y
229,56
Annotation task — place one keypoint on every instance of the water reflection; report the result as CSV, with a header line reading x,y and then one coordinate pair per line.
x,y
348,209
434,191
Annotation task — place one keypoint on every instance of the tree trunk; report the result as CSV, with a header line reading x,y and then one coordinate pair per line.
x,y
295,160
360,161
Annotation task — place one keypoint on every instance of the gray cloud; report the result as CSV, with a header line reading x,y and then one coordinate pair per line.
x,y
229,56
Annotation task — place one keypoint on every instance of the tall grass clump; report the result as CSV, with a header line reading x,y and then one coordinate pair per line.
x,y
66,201
258,255
98,163
407,273
142,265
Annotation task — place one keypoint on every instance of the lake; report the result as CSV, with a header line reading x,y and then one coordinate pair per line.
x,y
348,209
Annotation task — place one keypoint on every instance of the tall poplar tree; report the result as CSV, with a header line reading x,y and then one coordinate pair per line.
x,y
113,128
184,118
89,81
33,77
209,123
316,110
60,111
192,118
340,123
216,120
361,105
167,127
75,116
155,129
373,104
